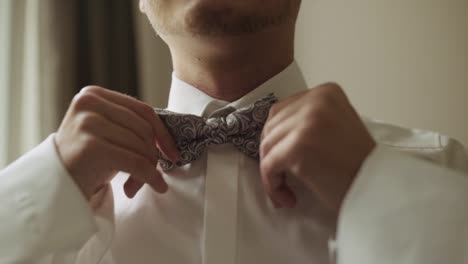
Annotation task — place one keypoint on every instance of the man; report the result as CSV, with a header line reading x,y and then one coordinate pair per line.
x,y
321,191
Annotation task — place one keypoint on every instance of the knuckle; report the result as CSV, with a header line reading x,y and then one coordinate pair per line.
x,y
267,128
273,110
90,89
317,111
148,110
88,120
310,130
304,138
310,109
333,86
148,115
82,101
89,142
147,130
328,97
263,147
312,114
300,168
334,92
297,137
265,167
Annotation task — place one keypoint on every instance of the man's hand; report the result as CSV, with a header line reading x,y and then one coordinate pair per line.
x,y
105,132
317,137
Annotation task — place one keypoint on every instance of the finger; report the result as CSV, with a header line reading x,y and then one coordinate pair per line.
x,y
273,168
132,186
291,111
115,113
120,136
162,136
292,105
276,134
280,157
285,196
140,168
281,104
282,109
279,192
270,184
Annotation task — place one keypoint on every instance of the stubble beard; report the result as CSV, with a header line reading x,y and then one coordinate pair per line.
x,y
221,21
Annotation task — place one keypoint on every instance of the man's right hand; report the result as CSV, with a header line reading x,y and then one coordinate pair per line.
x,y
105,132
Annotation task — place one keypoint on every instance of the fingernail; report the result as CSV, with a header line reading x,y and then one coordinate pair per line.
x,y
130,194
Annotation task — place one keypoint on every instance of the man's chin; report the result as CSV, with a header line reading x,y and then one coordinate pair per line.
x,y
203,17
219,17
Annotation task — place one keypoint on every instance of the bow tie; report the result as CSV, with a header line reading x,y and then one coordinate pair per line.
x,y
193,134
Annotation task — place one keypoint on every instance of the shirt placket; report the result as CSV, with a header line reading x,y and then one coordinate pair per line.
x,y
221,205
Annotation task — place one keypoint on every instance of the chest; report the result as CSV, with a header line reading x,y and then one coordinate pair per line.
x,y
216,211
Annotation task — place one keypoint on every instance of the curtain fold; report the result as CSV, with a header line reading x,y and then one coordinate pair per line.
x,y
23,94
106,54
49,50
5,47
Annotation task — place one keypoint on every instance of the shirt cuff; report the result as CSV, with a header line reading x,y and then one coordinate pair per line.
x,y
44,211
400,208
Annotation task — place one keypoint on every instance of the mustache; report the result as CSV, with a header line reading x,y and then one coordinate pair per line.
x,y
221,20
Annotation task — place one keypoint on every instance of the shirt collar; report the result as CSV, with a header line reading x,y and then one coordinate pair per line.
x,y
186,99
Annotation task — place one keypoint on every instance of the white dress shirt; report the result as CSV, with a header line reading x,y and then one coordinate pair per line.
x,y
407,205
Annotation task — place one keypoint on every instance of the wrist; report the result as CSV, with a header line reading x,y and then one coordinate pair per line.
x,y
80,182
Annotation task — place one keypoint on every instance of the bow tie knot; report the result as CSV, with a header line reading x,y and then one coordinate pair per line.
x,y
193,134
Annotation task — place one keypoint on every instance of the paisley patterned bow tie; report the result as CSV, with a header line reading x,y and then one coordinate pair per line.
x,y
193,134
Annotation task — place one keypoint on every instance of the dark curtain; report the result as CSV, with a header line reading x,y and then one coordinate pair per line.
x,y
105,50
90,42
79,42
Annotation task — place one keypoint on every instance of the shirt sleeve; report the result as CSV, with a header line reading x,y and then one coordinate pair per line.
x,y
43,211
405,210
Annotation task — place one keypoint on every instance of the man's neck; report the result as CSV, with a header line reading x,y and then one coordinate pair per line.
x,y
227,68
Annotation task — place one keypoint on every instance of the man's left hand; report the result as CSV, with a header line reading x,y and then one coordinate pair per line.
x,y
317,137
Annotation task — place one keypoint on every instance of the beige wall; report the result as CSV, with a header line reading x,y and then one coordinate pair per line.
x,y
155,66
401,61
